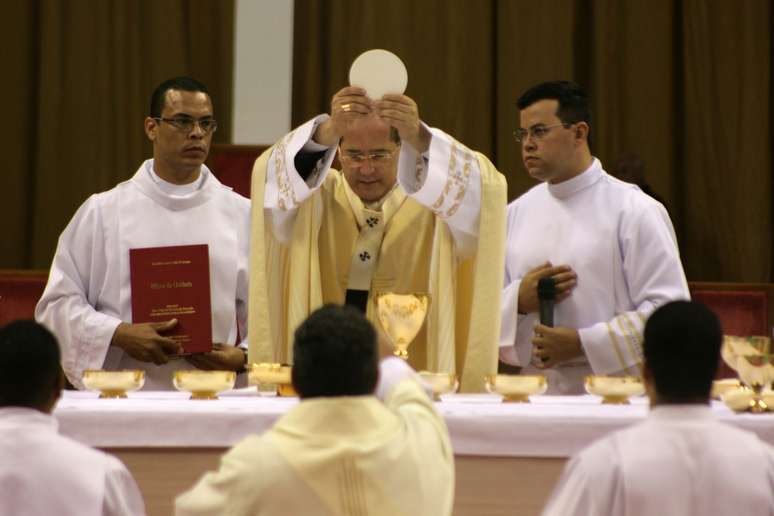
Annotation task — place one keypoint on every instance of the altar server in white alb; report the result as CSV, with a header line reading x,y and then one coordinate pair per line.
x,y
680,460
610,249
365,439
42,472
172,200
412,211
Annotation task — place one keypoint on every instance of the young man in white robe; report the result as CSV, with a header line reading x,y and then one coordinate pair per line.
x,y
42,472
610,249
172,200
411,211
680,460
365,438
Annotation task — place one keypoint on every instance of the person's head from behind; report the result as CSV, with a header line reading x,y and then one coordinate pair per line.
x,y
30,371
180,126
554,130
335,354
682,349
368,152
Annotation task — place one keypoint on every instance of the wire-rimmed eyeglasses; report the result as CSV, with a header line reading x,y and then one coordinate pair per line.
x,y
537,132
358,158
186,123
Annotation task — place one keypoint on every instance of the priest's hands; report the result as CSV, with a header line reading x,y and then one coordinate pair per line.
x,y
563,275
401,112
552,346
346,105
398,111
222,358
144,342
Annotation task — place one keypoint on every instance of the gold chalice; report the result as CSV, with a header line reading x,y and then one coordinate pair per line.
x,y
113,384
401,317
757,371
751,358
203,385
273,374
615,390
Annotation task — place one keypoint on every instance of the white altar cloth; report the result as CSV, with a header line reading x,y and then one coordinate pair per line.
x,y
479,424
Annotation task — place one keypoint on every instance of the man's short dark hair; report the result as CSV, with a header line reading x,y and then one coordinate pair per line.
x,y
335,354
682,350
176,83
30,368
573,101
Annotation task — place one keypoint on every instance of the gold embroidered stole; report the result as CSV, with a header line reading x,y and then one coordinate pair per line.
x,y
372,225
403,256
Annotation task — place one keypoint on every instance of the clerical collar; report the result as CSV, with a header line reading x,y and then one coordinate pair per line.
x,y
198,192
172,189
681,412
580,182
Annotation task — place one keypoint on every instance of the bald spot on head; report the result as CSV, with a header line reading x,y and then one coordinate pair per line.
x,y
368,128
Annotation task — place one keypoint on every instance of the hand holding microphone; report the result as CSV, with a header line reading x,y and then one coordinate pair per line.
x,y
564,279
546,291
540,290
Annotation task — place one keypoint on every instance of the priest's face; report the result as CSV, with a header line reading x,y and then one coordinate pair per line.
x,y
548,146
182,136
369,158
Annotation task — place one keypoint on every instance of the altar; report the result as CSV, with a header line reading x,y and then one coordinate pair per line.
x,y
508,455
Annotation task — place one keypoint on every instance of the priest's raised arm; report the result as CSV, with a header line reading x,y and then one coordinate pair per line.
x,y
402,215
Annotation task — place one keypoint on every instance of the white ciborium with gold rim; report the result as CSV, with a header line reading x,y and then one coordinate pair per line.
x,y
401,316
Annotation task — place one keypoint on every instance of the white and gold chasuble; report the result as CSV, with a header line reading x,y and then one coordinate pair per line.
x,y
339,456
443,235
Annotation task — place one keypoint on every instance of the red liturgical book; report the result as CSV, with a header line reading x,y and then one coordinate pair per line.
x,y
174,283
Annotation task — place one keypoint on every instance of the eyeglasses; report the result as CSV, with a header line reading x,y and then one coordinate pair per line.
x,y
358,158
186,124
537,133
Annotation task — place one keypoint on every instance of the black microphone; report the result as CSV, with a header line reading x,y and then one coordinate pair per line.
x,y
546,290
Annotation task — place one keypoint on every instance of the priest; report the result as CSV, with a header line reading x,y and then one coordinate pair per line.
x,y
411,211
606,252
365,438
172,200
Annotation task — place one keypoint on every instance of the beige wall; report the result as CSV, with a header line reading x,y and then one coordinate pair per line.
x,y
263,60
